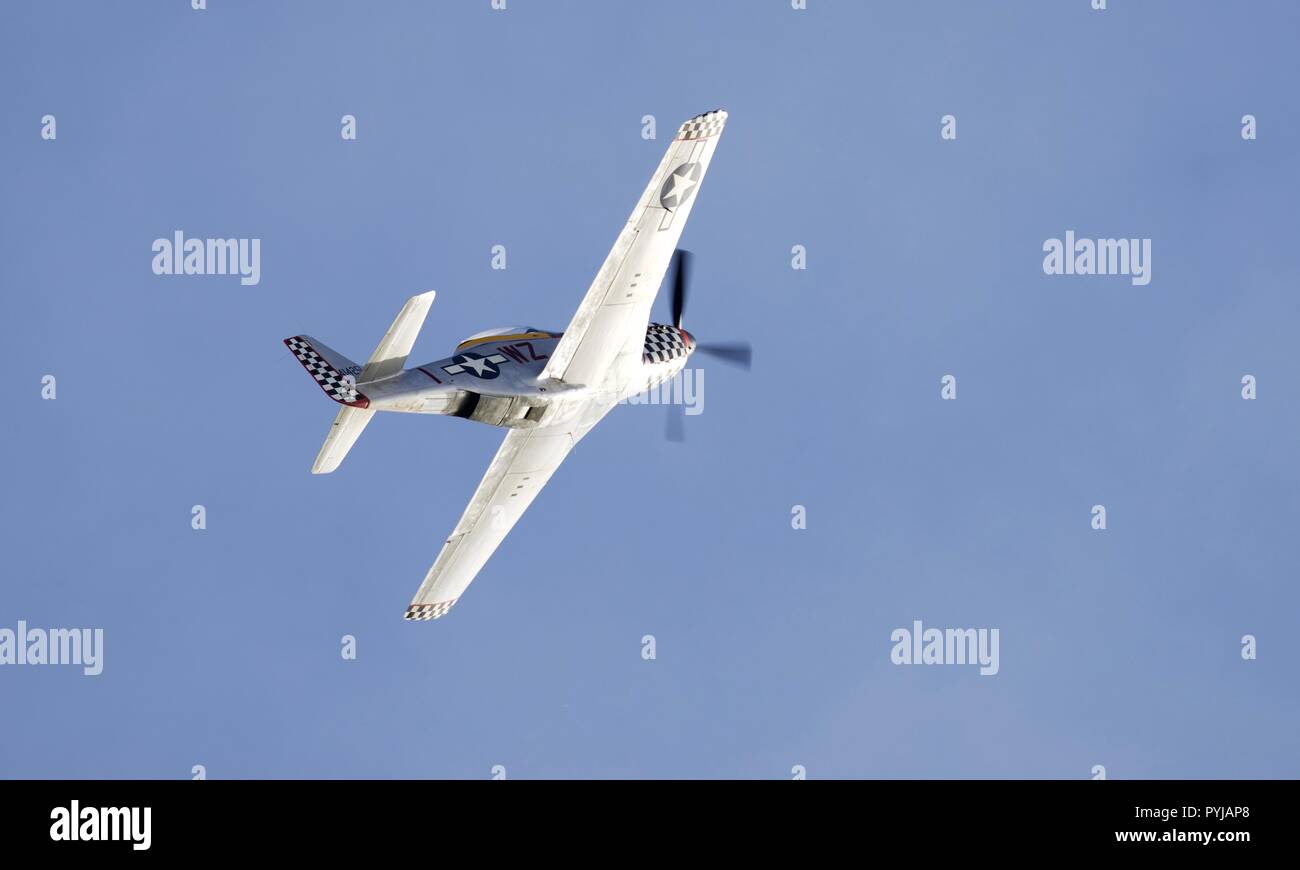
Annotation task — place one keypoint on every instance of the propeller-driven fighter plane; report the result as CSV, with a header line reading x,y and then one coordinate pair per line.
x,y
546,389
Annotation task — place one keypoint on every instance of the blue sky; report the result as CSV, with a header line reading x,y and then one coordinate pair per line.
x,y
1118,648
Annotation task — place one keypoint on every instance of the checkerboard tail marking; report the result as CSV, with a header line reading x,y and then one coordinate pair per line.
x,y
339,387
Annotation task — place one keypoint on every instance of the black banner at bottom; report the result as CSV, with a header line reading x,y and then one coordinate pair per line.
x,y
1177,819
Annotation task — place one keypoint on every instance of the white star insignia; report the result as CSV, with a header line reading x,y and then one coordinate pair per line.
x,y
681,184
478,365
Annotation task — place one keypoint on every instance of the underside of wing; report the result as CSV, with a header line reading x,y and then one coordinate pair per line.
x,y
604,340
522,466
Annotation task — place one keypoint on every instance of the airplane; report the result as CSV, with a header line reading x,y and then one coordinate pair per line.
x,y
546,389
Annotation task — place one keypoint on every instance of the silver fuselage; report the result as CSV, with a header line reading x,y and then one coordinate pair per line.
x,y
499,382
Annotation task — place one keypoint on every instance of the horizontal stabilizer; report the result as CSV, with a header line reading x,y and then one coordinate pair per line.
x,y
390,356
347,428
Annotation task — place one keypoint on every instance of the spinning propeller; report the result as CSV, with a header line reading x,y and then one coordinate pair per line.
x,y
736,353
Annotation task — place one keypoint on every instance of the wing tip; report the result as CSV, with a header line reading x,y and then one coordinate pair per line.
x,y
427,612
704,125
324,466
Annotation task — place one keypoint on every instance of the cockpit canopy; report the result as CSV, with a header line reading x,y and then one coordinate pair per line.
x,y
506,332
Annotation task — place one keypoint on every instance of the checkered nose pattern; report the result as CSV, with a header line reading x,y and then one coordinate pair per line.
x,y
664,343
338,387
425,612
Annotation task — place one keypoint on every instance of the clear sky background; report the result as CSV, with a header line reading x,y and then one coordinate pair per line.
x,y
1119,648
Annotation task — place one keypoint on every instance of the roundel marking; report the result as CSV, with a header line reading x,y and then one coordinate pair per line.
x,y
478,365
679,185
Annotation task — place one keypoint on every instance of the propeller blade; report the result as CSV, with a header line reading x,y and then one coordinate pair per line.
x,y
681,278
737,353
676,429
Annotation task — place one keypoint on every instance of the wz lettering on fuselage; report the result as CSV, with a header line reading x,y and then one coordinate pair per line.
x,y
514,351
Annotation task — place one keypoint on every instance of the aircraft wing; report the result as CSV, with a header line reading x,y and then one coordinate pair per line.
x,y
607,333
524,463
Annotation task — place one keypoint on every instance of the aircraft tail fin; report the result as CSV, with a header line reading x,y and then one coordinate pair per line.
x,y
339,377
336,374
